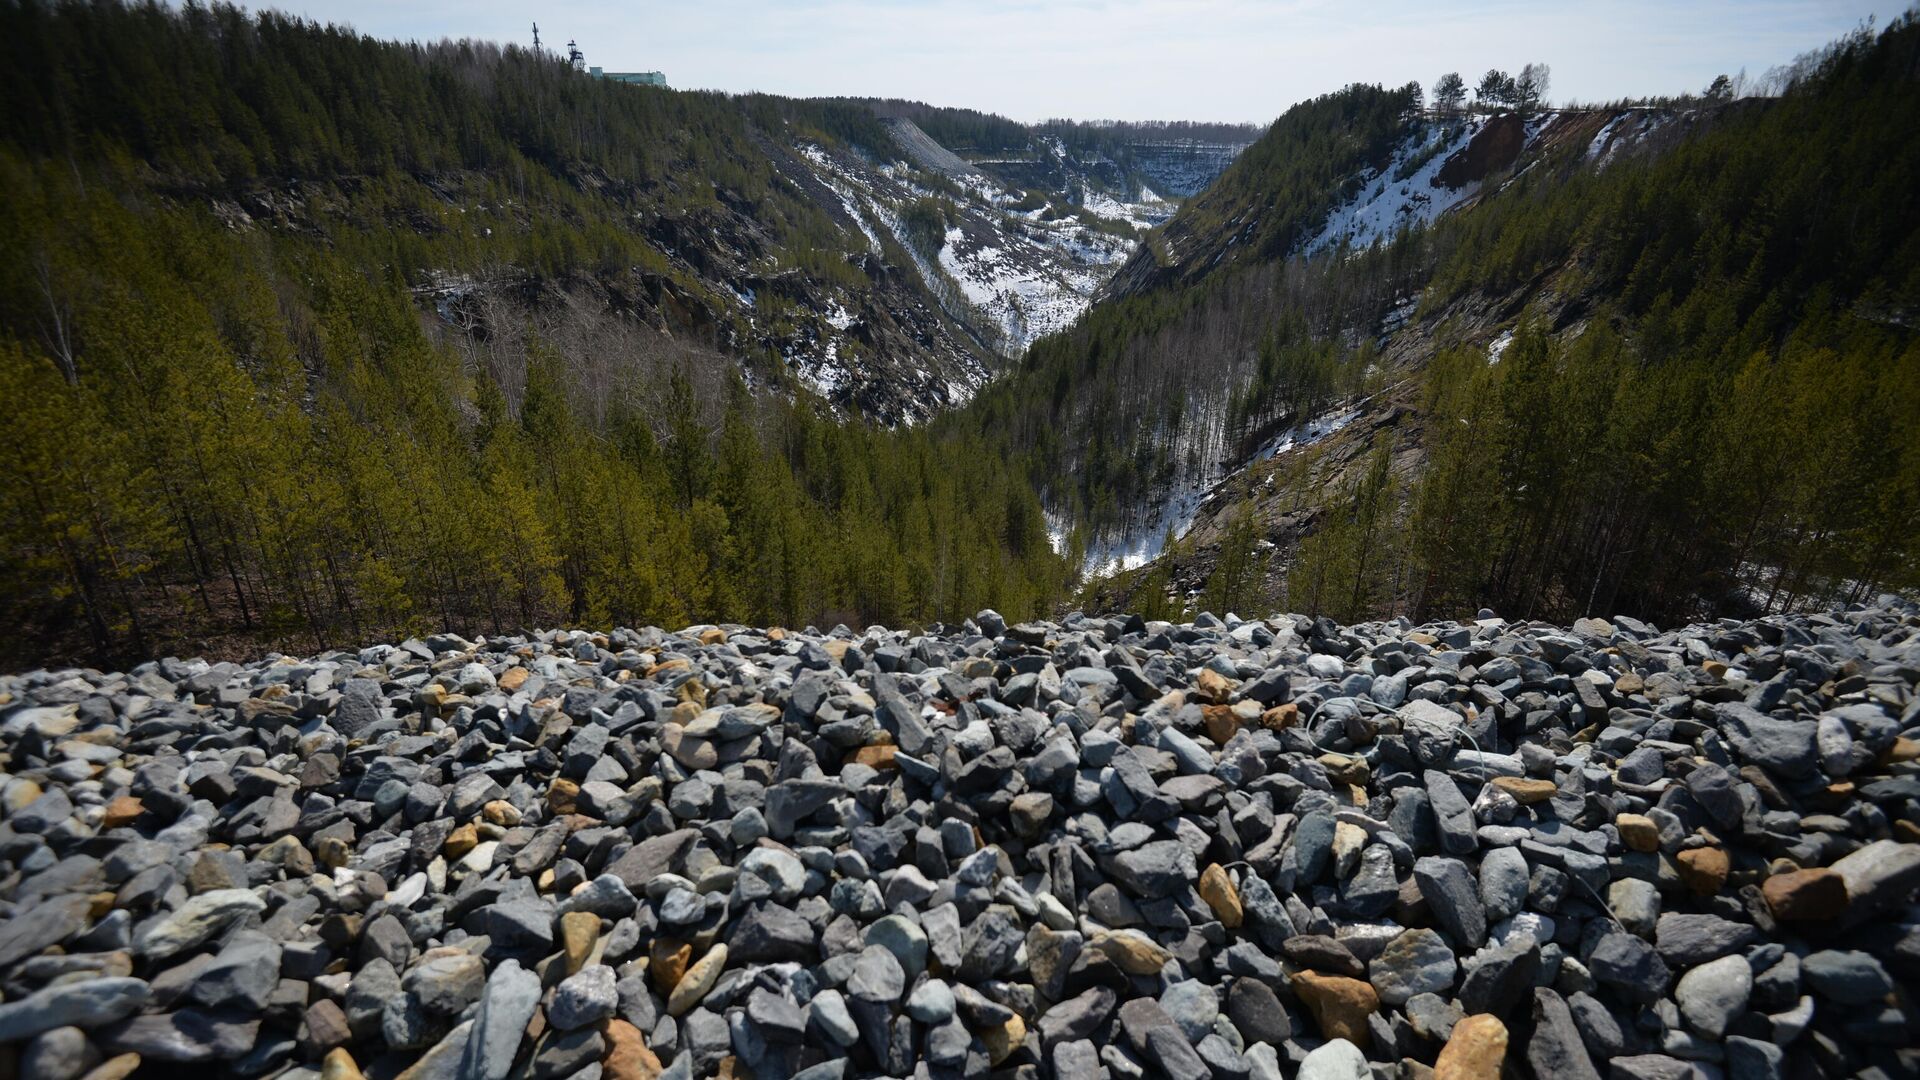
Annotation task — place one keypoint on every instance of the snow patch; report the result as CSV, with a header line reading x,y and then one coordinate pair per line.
x,y
839,317
1307,433
1385,204
1498,347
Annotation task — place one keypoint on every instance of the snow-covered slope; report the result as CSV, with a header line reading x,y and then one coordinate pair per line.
x,y
942,267
1442,164
1012,265
1405,192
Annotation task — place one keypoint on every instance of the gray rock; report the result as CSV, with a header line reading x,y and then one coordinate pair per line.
x,y
1845,977
1432,732
195,922
506,1007
43,813
1451,812
1714,993
1630,966
1193,1006
61,1053
1313,846
828,1013
1080,1058
568,1054
877,975
606,896
1498,977
1451,891
1751,1059
446,983
584,998
49,923
907,942
1636,903
1154,870
86,1004
1335,1059
1555,1048
1780,746
242,977
1077,1017
1415,962
931,1002
775,1016
1256,1012
1503,882
1433,1017
188,1036
1881,875
1688,939
769,933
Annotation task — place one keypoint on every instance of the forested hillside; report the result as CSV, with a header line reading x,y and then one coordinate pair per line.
x,y
1669,378
253,397
310,338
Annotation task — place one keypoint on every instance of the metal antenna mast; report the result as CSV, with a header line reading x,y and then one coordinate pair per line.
x,y
536,37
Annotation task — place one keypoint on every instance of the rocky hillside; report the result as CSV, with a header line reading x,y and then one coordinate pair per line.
x,y
1485,304
1262,849
810,243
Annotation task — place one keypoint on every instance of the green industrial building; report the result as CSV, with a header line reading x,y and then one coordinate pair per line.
x,y
637,78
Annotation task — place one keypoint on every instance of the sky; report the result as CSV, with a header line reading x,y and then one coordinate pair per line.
x,y
1227,60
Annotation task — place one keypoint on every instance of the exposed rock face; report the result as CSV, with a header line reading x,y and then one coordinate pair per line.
x,y
645,854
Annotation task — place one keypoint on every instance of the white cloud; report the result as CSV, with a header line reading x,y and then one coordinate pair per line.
x,y
1137,59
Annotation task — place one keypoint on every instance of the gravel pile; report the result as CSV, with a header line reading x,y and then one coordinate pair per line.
x,y
1232,850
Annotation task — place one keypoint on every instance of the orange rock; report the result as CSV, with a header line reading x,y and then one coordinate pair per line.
x,y
1526,792
122,811
332,852
1704,870
1216,888
699,978
1806,895
1213,686
875,757
1280,717
715,636
1903,749
513,679
460,841
579,933
562,795
628,1057
1346,769
339,1065
1003,1039
1341,1005
669,964
1221,723
1474,1051
125,1065
1638,832
1133,952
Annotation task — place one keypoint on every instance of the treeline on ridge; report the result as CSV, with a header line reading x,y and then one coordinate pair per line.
x,y
229,435
1710,404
